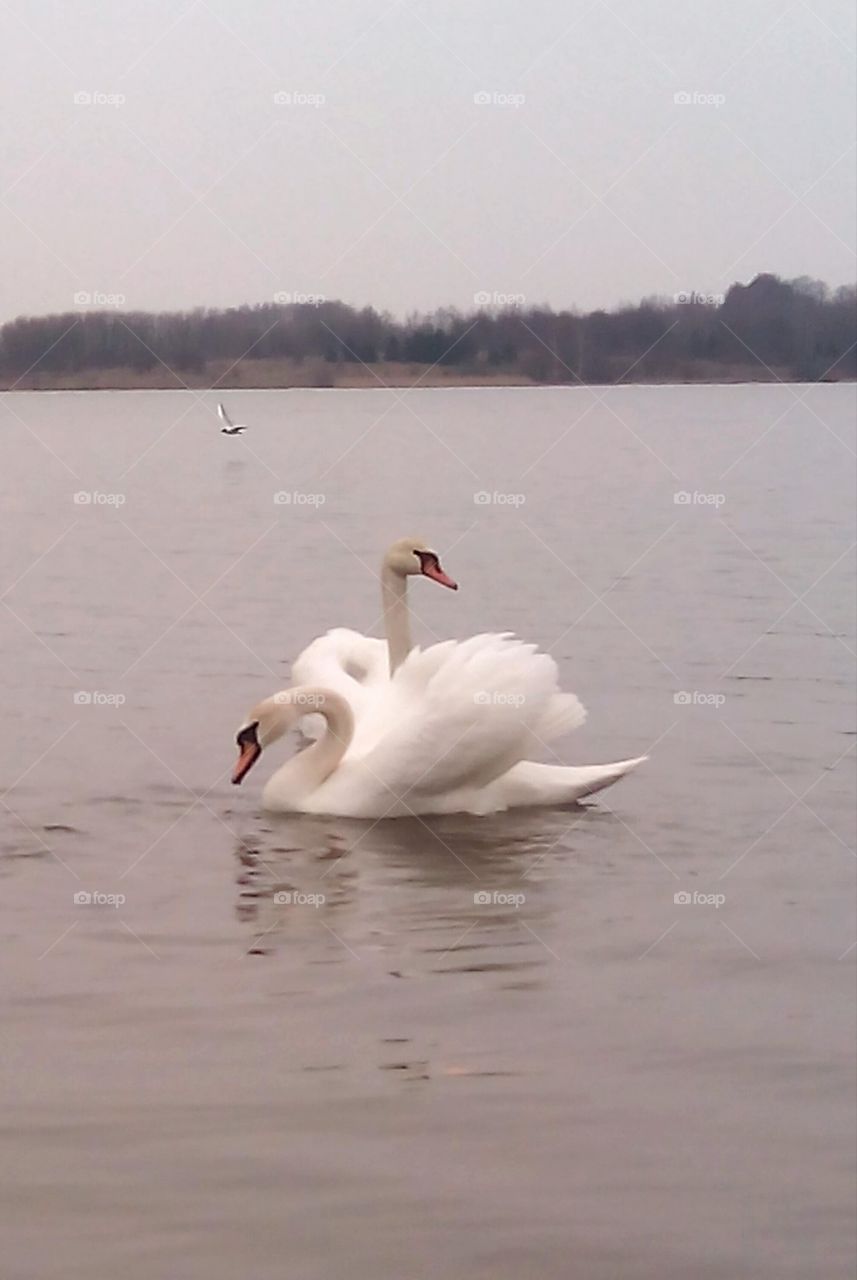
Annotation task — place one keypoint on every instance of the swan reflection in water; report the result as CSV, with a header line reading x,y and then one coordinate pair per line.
x,y
408,890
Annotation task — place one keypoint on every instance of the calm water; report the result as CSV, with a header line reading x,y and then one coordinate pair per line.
x,y
204,1082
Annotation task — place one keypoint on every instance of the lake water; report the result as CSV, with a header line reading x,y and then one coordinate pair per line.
x,y
582,1078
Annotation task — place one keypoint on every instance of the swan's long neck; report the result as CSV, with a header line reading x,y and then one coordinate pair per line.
x,y
397,619
313,766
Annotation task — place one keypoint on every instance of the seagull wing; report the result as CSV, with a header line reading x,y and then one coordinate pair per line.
x,y
224,416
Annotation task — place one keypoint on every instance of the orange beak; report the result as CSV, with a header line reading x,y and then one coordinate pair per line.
x,y
433,570
247,757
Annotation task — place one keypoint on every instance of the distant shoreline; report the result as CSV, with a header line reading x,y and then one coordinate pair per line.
x,y
770,330
274,375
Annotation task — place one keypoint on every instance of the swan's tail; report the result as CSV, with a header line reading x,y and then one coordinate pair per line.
x,y
549,784
595,777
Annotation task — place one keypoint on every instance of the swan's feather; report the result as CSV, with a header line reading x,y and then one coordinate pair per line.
x,y
346,662
563,713
529,783
456,715
341,652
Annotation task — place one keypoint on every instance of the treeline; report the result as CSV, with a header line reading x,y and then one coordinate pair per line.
x,y
796,329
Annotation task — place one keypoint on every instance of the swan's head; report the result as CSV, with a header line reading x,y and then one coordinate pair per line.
x,y
264,724
411,557
273,717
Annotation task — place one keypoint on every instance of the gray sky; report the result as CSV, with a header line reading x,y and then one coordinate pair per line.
x,y
581,181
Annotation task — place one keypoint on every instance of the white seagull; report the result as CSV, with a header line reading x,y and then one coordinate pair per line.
x,y
230,428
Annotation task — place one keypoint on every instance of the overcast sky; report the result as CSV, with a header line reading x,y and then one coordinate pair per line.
x,y
381,179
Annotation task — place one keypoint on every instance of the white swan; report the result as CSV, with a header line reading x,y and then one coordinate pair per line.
x,y
448,735
355,665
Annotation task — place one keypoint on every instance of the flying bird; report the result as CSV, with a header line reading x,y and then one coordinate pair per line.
x,y
230,428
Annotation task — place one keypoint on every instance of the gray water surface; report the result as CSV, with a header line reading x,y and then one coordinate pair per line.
x,y
581,1077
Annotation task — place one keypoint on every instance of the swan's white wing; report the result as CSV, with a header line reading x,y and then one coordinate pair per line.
x,y
456,715
564,712
224,416
341,651
347,662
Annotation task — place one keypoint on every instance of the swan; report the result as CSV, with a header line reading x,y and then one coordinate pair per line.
x,y
448,735
355,665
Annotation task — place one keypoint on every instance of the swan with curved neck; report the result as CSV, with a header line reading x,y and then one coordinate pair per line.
x,y
274,716
360,667
450,736
409,557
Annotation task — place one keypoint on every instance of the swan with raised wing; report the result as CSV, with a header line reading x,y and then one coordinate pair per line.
x,y
450,734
